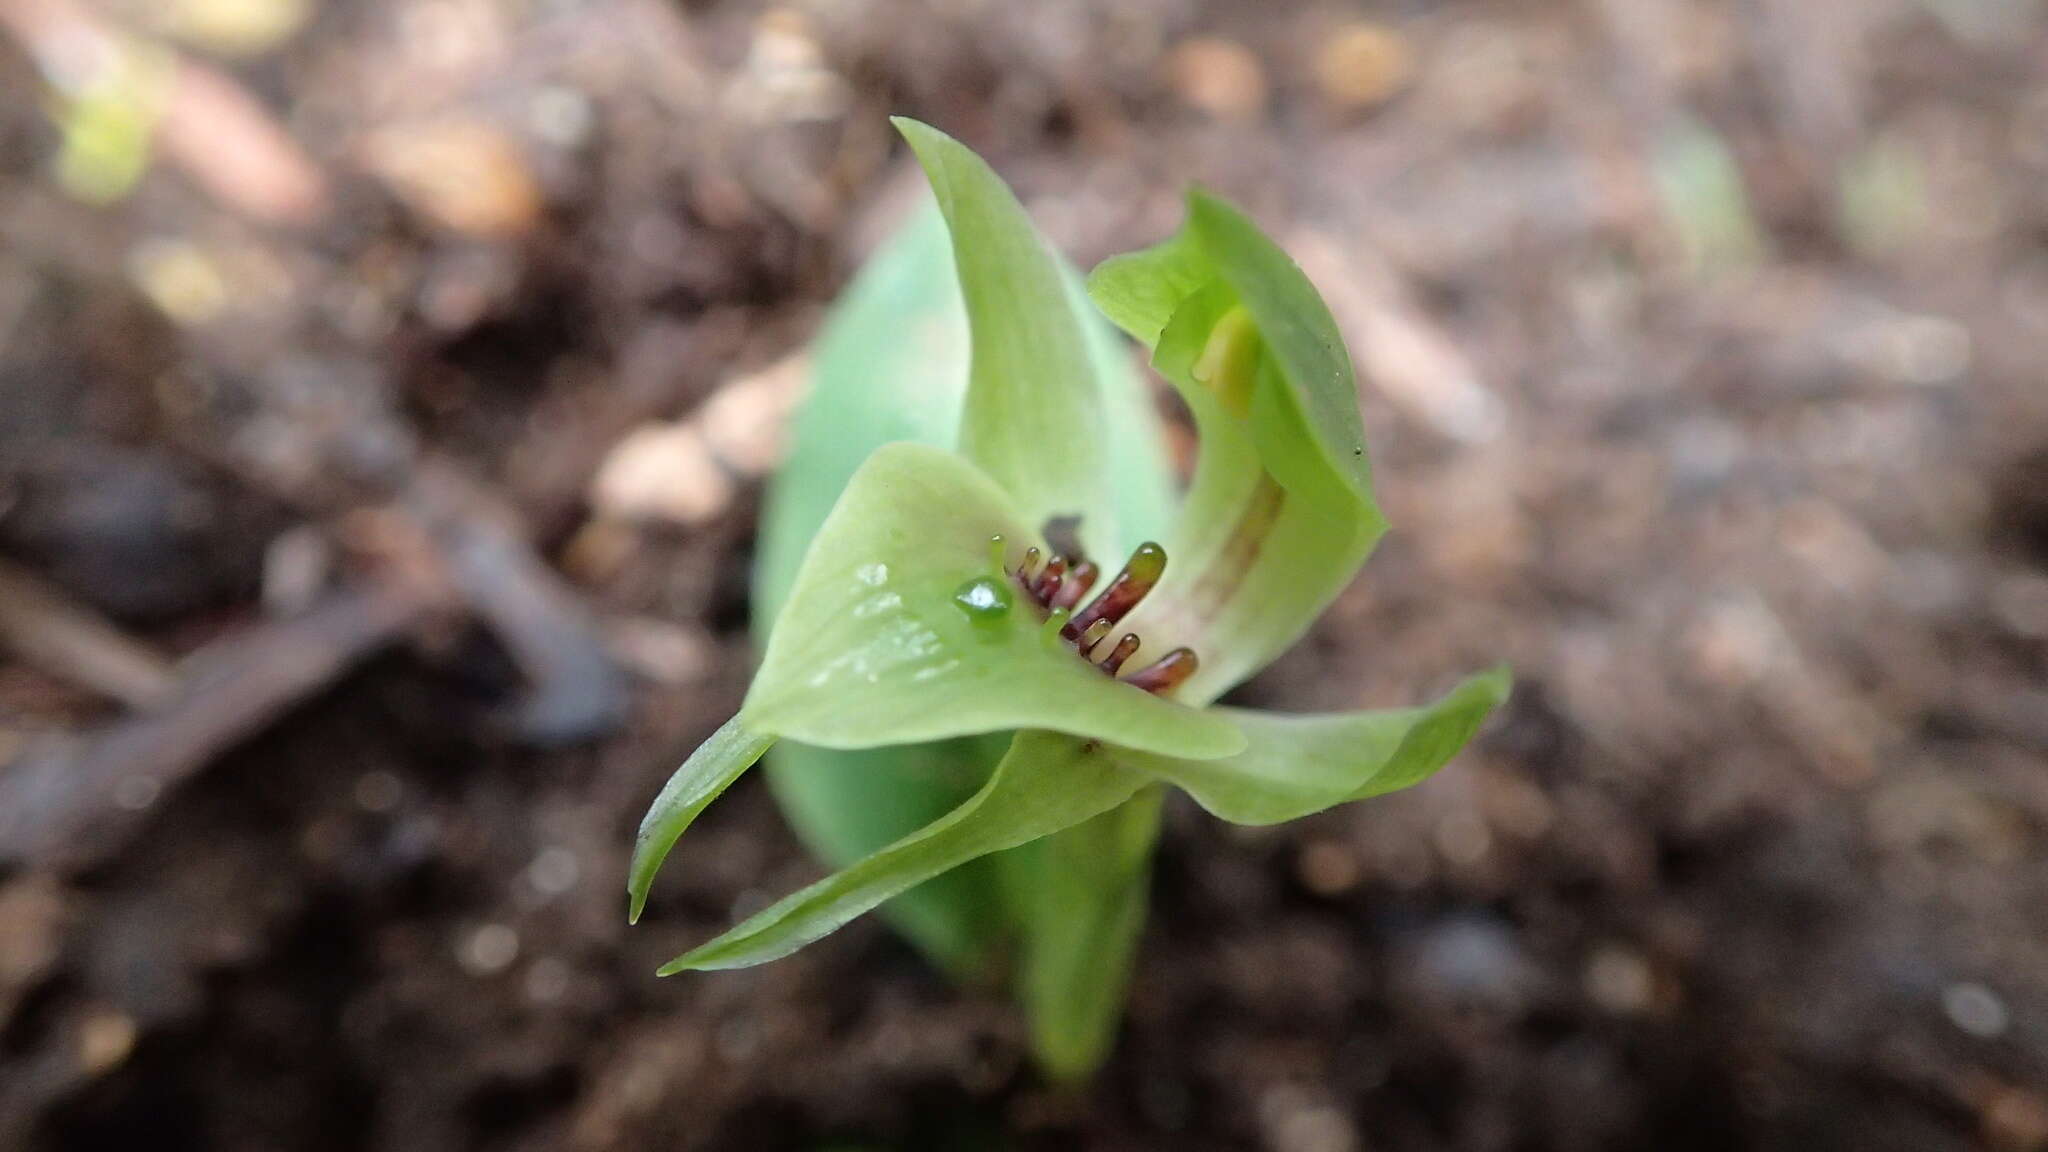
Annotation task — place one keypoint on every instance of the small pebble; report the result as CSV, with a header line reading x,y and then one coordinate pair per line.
x,y
659,651
104,1041
562,116
1363,65
1619,980
2016,1120
466,175
662,472
1327,868
379,791
136,793
553,872
745,422
296,567
1975,1010
738,1039
1296,1121
1467,962
2020,602
1463,838
547,980
1219,77
180,278
488,950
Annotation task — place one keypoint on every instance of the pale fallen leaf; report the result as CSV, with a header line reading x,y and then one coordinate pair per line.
x,y
661,472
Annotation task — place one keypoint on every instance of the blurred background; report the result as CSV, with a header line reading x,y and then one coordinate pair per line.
x,y
386,391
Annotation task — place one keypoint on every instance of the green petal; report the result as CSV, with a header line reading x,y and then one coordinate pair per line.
x,y
710,770
1281,512
1047,783
1293,766
872,648
1035,417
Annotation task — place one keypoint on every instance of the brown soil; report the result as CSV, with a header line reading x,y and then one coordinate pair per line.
x,y
1752,489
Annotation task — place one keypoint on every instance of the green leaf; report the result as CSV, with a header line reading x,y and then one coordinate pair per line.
x,y
1281,512
1035,418
1047,783
1293,766
847,803
872,648
1081,896
709,771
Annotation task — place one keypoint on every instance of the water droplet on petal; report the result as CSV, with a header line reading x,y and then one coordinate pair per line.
x,y
983,598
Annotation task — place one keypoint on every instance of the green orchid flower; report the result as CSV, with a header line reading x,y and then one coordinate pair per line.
x,y
967,718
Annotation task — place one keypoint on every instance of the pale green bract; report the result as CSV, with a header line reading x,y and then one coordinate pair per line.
x,y
964,390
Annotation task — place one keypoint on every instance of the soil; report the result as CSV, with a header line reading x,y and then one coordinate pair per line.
x,y
1701,367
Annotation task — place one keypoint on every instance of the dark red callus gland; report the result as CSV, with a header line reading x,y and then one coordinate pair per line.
x,y
1124,650
1061,583
1166,673
1075,585
1047,586
1140,575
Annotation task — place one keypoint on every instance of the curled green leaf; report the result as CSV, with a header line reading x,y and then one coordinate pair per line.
x,y
1045,784
708,772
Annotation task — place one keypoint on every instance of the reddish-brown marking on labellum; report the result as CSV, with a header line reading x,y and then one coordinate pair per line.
x,y
1124,650
1075,585
1167,673
1140,574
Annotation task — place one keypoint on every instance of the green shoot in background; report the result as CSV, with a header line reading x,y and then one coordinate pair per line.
x,y
979,747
